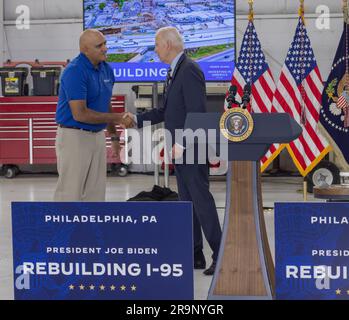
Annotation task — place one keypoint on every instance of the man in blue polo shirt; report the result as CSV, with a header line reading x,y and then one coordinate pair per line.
x,y
83,112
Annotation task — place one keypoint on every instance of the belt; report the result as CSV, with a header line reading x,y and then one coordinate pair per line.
x,y
77,128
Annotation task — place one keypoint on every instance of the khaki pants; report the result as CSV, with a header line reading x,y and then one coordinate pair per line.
x,y
81,164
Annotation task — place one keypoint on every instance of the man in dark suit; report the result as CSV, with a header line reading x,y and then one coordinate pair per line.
x,y
184,92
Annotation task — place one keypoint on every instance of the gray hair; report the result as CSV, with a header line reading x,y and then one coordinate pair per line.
x,y
171,34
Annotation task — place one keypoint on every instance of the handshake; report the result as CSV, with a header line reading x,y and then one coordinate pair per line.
x,y
127,120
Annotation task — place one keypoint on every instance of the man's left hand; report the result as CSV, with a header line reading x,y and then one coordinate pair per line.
x,y
177,151
127,120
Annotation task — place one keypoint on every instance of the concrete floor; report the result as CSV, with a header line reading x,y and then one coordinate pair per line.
x,y
40,187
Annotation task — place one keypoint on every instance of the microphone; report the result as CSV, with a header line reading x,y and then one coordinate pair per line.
x,y
246,98
231,96
233,90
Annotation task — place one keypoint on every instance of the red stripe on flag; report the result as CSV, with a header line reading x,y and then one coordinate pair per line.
x,y
315,90
310,109
284,105
298,156
268,91
264,159
315,137
291,91
317,71
258,100
307,150
317,95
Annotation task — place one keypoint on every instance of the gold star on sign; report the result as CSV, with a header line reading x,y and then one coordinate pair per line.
x,y
82,287
122,288
71,287
102,287
112,288
92,287
133,288
338,291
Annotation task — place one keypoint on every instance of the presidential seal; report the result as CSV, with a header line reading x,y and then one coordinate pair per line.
x,y
236,124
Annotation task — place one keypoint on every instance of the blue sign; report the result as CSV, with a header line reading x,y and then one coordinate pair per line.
x,y
133,72
312,251
126,250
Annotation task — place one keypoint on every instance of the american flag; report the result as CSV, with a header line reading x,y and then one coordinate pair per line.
x,y
253,69
299,93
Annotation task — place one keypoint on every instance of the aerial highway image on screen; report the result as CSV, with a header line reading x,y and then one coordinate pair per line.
x,y
207,27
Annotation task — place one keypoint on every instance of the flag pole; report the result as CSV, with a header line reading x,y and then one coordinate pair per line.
x,y
302,64
303,116
250,48
305,191
250,19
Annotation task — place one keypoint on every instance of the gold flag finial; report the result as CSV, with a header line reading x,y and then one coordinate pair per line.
x,y
250,13
345,11
301,10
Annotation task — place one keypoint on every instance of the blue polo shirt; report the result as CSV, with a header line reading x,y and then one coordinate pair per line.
x,y
82,81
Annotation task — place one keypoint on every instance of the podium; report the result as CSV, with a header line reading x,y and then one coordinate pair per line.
x,y
245,269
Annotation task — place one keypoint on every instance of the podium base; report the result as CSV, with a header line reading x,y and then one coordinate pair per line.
x,y
245,268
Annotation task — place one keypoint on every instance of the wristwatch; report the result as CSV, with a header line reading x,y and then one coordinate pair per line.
x,y
115,139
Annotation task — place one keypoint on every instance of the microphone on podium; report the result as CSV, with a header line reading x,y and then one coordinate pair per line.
x,y
231,96
246,98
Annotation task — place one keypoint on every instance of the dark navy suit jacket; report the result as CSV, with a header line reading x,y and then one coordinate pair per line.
x,y
186,93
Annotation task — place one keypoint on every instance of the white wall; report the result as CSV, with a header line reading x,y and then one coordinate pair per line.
x,y
55,26
45,9
277,7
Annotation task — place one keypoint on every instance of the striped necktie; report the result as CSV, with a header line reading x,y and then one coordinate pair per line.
x,y
167,82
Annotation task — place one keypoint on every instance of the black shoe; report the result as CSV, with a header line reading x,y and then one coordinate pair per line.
x,y
211,269
199,261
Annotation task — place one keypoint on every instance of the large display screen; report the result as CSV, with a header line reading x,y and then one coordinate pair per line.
x,y
207,28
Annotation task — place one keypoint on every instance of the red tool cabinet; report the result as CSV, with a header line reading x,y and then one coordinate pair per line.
x,y
28,132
